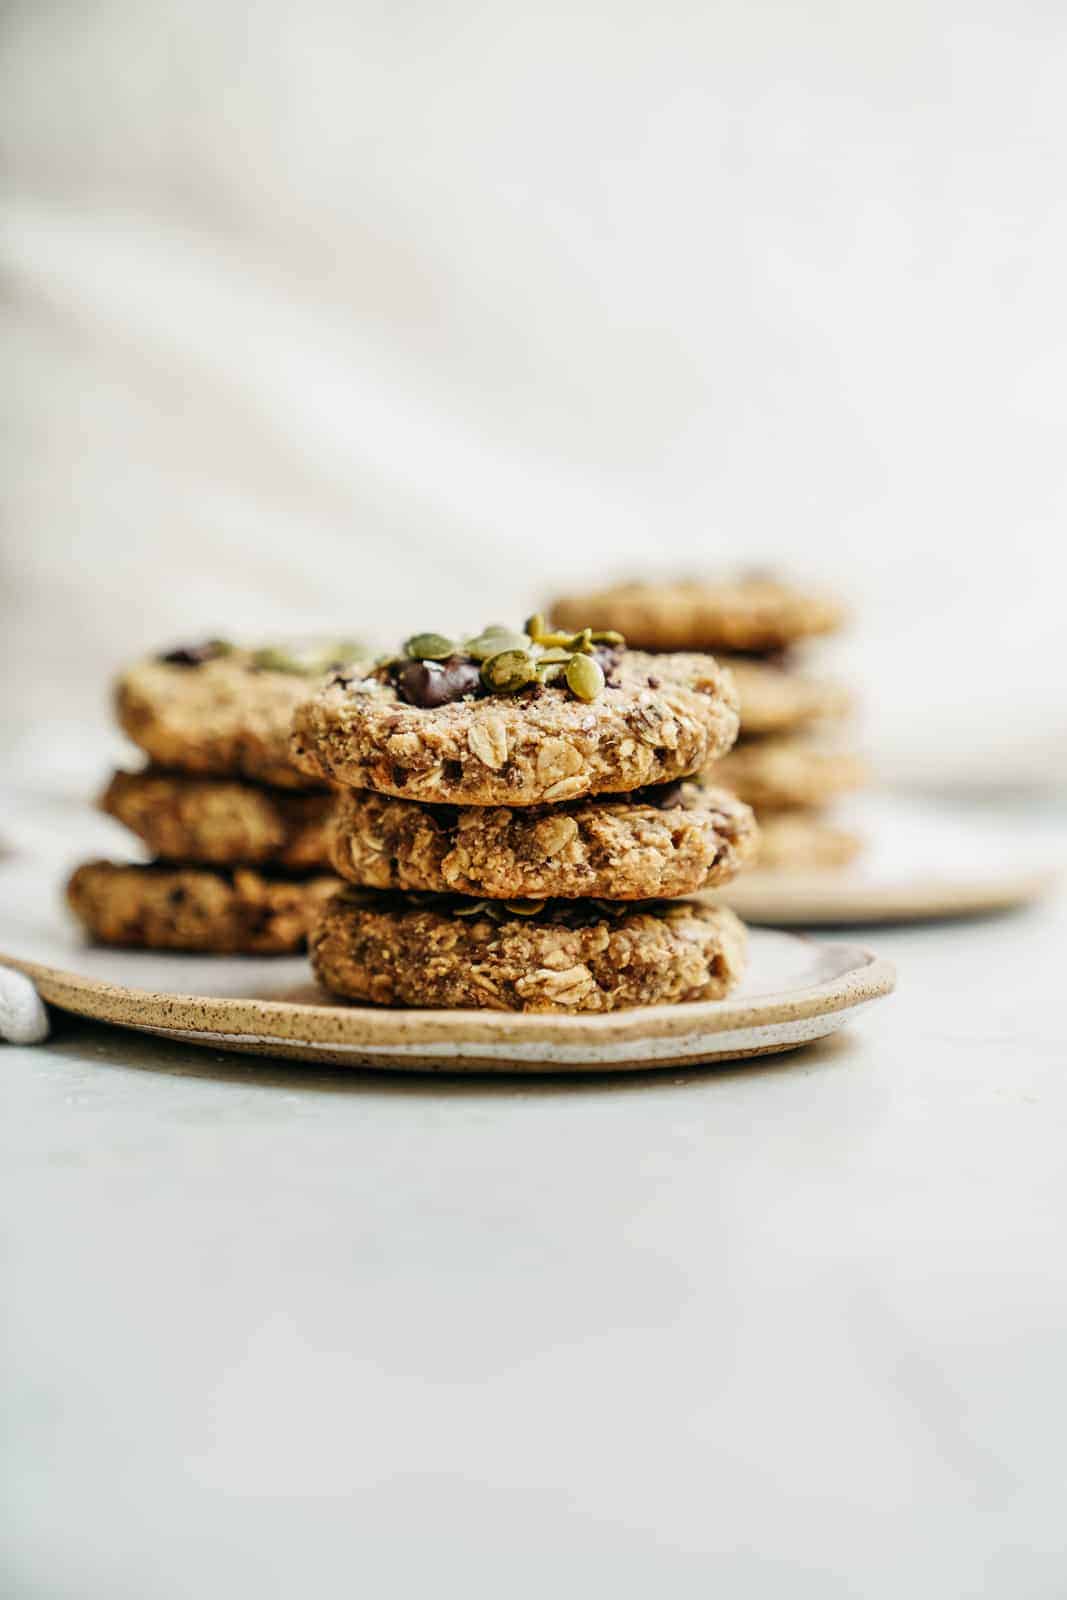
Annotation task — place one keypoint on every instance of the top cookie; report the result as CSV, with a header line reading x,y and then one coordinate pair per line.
x,y
533,722
744,614
215,710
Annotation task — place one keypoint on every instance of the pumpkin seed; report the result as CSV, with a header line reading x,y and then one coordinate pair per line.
x,y
429,647
524,908
607,636
508,671
585,677
273,659
493,642
473,908
556,639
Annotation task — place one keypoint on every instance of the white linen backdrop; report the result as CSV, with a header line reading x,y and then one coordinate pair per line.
x,y
395,317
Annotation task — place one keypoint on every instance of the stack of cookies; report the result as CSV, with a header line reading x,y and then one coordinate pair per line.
x,y
784,765
238,835
514,820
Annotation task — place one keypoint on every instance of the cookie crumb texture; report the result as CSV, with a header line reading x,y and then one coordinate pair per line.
x,y
222,822
383,950
784,774
751,614
195,908
617,848
223,717
660,718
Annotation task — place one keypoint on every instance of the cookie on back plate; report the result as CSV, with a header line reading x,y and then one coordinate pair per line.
x,y
217,710
516,719
796,840
222,821
786,774
775,699
163,907
746,613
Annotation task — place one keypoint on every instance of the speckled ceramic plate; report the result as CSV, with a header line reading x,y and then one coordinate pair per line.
x,y
829,898
795,990
920,862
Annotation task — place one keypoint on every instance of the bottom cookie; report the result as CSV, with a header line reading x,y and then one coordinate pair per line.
x,y
569,956
226,912
798,840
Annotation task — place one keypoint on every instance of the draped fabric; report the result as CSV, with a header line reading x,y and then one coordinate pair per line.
x,y
395,317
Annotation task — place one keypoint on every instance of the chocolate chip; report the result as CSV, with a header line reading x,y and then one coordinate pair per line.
x,y
194,655
610,658
437,683
653,681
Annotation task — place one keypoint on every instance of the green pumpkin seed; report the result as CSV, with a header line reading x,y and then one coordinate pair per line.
x,y
493,642
553,657
583,641
273,659
551,671
343,650
607,636
429,647
556,640
585,677
524,908
508,671
473,908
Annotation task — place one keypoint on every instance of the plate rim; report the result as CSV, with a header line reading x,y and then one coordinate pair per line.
x,y
868,977
810,898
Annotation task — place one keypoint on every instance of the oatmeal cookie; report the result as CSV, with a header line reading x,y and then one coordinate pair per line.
x,y
754,613
196,908
785,774
576,956
221,820
657,843
218,711
774,699
653,719
796,840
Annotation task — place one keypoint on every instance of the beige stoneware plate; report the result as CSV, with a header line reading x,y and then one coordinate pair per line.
x,y
831,898
796,990
920,862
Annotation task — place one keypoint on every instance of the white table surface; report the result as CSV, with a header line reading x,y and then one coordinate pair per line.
x,y
790,1329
